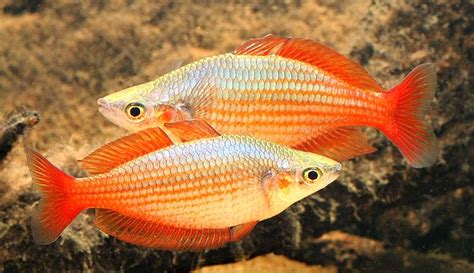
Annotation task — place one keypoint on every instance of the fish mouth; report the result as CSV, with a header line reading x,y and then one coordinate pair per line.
x,y
335,171
105,109
333,168
109,112
102,104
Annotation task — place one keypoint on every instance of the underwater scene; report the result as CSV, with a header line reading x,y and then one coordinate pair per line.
x,y
236,136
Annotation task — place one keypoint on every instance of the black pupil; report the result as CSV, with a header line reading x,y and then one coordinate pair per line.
x,y
135,111
313,175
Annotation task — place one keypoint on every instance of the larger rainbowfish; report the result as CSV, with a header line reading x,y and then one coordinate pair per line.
x,y
295,92
201,193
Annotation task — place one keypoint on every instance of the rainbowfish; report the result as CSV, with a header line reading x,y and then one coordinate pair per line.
x,y
294,92
199,192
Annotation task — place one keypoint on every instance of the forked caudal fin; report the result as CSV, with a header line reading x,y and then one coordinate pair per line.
x,y
410,132
56,209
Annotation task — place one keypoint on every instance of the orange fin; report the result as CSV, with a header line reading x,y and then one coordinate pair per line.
x,y
56,209
156,235
266,45
189,130
240,231
313,53
410,132
125,149
340,144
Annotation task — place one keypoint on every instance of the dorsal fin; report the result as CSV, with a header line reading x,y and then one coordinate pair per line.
x,y
156,235
125,149
313,53
189,130
171,66
261,46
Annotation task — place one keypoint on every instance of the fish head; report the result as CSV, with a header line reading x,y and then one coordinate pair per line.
x,y
308,174
138,107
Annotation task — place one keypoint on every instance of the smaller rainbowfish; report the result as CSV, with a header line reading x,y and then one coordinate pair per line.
x,y
200,192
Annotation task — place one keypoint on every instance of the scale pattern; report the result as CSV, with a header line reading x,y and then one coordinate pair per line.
x,y
274,98
211,183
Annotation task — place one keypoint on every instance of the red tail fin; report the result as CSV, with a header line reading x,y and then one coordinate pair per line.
x,y
410,132
56,210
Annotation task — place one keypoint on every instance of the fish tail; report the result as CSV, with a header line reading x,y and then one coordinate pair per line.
x,y
56,209
410,132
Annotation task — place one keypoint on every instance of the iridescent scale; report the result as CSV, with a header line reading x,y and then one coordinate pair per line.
x,y
211,183
271,97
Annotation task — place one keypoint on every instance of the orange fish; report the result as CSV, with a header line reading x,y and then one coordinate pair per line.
x,y
199,193
294,92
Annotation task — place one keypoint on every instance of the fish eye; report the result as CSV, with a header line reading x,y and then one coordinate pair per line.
x,y
135,111
311,175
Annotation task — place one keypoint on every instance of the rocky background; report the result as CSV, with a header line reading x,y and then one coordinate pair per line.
x,y
58,57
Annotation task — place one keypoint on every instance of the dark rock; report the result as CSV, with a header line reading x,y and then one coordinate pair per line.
x,y
14,127
21,6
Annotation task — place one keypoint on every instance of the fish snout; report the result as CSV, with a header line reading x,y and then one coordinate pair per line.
x,y
102,103
335,171
105,106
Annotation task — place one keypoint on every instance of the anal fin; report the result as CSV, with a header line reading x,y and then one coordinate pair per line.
x,y
156,235
237,233
340,144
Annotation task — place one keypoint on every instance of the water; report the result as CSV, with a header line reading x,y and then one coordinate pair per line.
x,y
381,215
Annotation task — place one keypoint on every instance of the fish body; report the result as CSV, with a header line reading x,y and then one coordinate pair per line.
x,y
144,182
294,92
